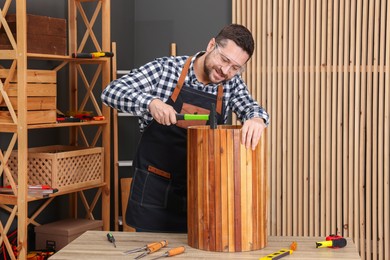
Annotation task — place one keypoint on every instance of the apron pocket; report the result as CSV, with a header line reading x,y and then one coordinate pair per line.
x,y
149,189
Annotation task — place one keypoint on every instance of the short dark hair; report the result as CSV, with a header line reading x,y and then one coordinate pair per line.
x,y
239,34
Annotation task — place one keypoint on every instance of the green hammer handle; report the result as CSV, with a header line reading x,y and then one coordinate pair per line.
x,y
192,117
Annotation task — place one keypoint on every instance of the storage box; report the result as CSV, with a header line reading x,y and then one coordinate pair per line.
x,y
45,35
61,167
41,91
58,234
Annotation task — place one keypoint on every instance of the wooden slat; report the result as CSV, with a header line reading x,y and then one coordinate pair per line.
x,y
328,100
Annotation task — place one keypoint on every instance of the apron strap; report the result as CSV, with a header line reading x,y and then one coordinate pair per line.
x,y
183,75
179,86
218,107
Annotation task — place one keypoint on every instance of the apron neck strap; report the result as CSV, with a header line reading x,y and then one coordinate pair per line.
x,y
179,86
183,75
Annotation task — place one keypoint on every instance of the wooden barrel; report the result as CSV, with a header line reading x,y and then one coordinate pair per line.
x,y
227,191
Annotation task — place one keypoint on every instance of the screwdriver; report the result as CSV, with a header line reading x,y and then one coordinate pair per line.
x,y
172,252
153,248
153,245
111,238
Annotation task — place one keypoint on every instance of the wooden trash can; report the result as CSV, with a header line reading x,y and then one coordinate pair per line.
x,y
227,190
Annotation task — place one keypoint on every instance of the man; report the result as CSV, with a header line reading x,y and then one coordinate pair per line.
x,y
167,86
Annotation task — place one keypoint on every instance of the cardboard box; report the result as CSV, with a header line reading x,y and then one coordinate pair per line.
x,y
45,35
41,91
58,234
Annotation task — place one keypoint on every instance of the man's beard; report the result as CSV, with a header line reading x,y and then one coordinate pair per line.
x,y
208,69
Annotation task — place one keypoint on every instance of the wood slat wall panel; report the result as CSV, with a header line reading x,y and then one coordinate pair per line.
x,y
321,69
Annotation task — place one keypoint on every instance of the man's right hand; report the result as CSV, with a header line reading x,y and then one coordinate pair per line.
x,y
164,114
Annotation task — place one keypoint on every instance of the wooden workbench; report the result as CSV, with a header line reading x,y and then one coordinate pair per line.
x,y
94,245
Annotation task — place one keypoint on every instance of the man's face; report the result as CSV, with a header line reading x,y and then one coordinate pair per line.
x,y
224,62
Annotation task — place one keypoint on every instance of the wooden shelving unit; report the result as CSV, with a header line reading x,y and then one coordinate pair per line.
x,y
17,203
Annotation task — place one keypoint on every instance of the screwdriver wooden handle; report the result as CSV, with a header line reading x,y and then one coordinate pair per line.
x,y
175,251
157,246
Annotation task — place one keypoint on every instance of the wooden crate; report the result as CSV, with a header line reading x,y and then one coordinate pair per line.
x,y
41,96
61,167
45,35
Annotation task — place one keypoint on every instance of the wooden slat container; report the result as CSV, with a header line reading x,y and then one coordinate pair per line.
x,y
227,191
41,96
61,166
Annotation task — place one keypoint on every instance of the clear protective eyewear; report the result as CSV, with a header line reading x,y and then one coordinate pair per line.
x,y
225,61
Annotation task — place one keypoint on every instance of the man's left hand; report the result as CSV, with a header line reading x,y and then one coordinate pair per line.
x,y
251,132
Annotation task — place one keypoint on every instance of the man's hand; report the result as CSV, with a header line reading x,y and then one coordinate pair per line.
x,y
164,114
251,132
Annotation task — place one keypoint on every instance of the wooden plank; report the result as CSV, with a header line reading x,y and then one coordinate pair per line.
x,y
382,242
230,188
348,187
34,89
237,193
224,193
341,189
289,107
211,190
312,55
324,141
244,213
35,103
336,144
315,122
217,191
274,162
386,166
351,129
33,76
33,117
303,13
364,202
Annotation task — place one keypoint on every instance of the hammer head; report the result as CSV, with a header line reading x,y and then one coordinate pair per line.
x,y
213,117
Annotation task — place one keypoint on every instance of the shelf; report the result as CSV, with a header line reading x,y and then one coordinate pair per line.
x,y
56,125
12,199
82,90
39,56
12,128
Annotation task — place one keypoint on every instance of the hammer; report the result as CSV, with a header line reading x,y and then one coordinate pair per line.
x,y
212,117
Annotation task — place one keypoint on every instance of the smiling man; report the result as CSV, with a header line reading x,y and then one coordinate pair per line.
x,y
165,87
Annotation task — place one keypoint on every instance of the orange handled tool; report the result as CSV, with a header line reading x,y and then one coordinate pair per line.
x,y
152,248
149,247
172,252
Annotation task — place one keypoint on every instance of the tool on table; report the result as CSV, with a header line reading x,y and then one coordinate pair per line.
x,y
92,55
111,238
172,252
332,241
149,247
154,248
281,253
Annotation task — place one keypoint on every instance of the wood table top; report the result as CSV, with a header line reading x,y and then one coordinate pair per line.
x,y
95,245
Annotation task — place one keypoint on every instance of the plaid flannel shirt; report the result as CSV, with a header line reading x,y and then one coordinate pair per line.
x,y
133,92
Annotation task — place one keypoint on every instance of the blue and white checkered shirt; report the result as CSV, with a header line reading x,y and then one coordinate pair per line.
x,y
132,93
